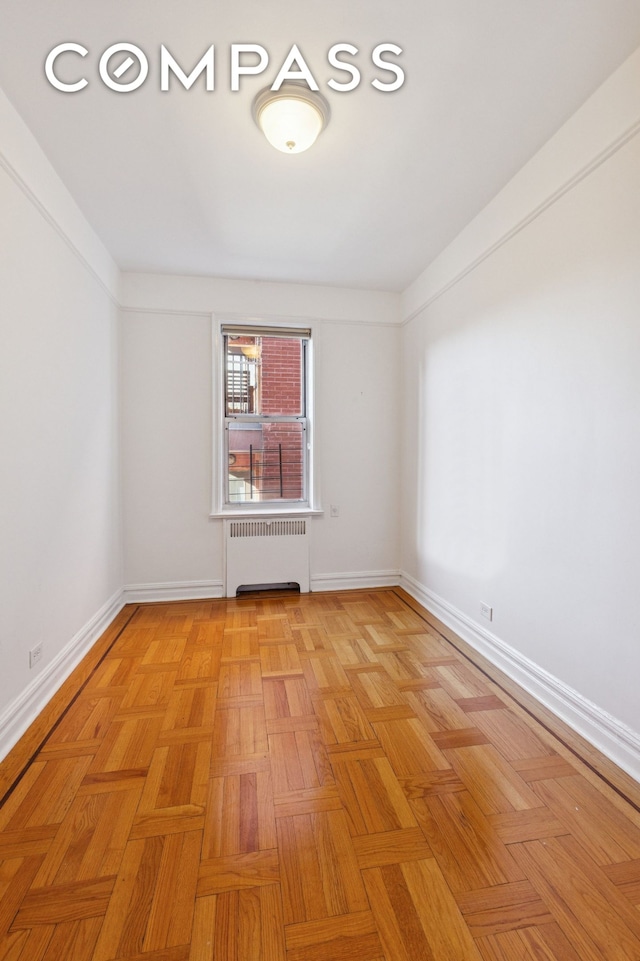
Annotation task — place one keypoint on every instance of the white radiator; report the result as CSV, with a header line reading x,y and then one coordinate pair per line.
x,y
266,552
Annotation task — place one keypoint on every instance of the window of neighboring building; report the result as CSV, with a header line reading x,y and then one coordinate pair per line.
x,y
266,432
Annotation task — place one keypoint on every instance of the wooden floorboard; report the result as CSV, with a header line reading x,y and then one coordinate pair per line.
x,y
309,778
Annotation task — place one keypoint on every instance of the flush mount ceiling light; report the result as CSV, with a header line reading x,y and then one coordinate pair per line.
x,y
292,117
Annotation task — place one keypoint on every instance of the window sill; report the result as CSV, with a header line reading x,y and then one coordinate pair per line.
x,y
263,512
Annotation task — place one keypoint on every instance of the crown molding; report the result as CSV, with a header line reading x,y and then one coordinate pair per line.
x,y
601,157
52,221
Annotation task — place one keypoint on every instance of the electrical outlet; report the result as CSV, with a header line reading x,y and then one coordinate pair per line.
x,y
486,611
334,510
35,655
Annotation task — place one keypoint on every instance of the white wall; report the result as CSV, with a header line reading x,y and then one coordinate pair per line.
x,y
172,546
522,373
516,396
60,546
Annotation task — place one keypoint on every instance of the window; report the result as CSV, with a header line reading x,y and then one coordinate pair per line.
x,y
266,452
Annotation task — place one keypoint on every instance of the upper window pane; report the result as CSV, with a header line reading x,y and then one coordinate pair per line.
x,y
264,375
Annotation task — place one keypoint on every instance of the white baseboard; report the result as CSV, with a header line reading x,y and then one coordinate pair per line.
x,y
173,591
354,580
203,590
609,735
21,712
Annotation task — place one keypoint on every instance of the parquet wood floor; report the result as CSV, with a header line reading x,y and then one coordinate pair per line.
x,y
307,778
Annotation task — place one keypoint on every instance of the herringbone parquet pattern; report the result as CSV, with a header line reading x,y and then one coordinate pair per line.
x,y
315,778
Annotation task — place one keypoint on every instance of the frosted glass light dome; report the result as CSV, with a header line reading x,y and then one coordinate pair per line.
x,y
292,117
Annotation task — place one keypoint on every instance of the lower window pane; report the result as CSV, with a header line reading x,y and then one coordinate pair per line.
x,y
266,462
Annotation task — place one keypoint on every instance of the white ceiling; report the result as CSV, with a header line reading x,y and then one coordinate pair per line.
x,y
184,182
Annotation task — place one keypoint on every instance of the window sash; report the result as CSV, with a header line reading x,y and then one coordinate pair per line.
x,y
271,468
238,372
292,475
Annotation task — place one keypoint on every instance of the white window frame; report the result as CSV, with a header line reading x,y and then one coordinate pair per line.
x,y
263,327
